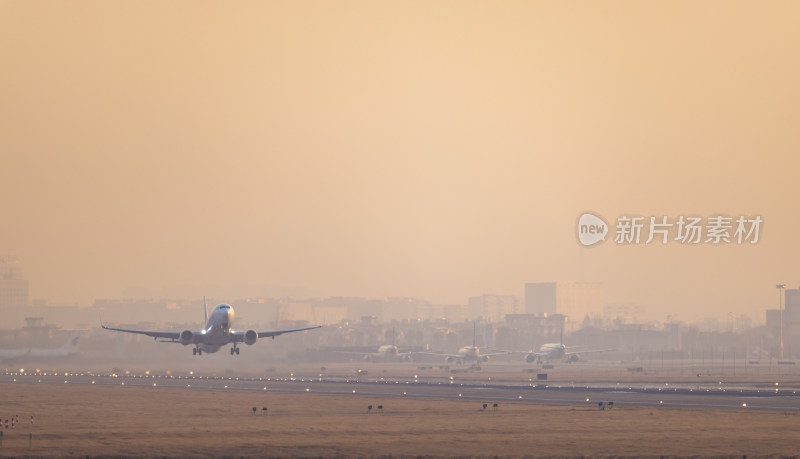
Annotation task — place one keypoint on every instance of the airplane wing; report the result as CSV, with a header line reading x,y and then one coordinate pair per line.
x,y
239,336
455,356
591,351
496,353
507,352
154,334
274,333
13,355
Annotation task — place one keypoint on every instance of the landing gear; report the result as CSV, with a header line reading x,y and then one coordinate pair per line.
x,y
235,350
197,351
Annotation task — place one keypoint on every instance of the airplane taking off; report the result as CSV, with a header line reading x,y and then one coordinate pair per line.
x,y
553,351
466,353
217,332
386,353
67,349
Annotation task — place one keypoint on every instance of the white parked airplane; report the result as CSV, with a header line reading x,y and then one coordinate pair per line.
x,y
466,353
554,351
217,332
386,353
67,349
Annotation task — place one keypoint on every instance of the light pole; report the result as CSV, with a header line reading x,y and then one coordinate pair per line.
x,y
780,288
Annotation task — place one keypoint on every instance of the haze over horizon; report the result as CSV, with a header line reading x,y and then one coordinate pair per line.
x,y
430,149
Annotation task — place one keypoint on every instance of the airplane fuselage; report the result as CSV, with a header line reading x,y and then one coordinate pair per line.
x,y
553,350
548,351
468,354
388,350
217,331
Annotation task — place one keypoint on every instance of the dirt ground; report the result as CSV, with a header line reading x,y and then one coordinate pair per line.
x,y
73,420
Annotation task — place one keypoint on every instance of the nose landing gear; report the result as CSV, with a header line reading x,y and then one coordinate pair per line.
x,y
197,351
234,350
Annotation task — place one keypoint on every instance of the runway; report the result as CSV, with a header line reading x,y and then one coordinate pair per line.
x,y
299,414
721,397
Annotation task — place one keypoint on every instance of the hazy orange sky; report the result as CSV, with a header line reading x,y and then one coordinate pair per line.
x,y
429,149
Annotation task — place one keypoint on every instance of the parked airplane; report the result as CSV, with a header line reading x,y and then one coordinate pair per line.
x,y
67,349
217,333
554,351
466,353
386,353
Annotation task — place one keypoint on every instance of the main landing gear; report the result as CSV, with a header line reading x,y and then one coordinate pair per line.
x,y
234,350
197,351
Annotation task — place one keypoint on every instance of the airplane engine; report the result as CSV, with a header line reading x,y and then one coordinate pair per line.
x,y
250,337
187,337
530,358
450,359
484,358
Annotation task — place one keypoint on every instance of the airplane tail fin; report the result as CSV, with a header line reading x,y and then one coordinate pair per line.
x,y
474,335
72,342
561,337
205,308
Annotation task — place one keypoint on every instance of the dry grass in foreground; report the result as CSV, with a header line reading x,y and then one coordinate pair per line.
x,y
137,421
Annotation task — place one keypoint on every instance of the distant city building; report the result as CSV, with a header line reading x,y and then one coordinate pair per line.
x,y
493,308
14,291
10,268
625,313
791,322
295,312
131,311
424,310
327,315
773,318
573,299
335,309
523,320
401,308
540,298
675,336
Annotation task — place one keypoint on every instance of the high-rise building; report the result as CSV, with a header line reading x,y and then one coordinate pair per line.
x,y
791,322
573,299
10,268
493,308
540,298
13,289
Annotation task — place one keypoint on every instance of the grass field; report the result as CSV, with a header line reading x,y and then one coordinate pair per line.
x,y
74,420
